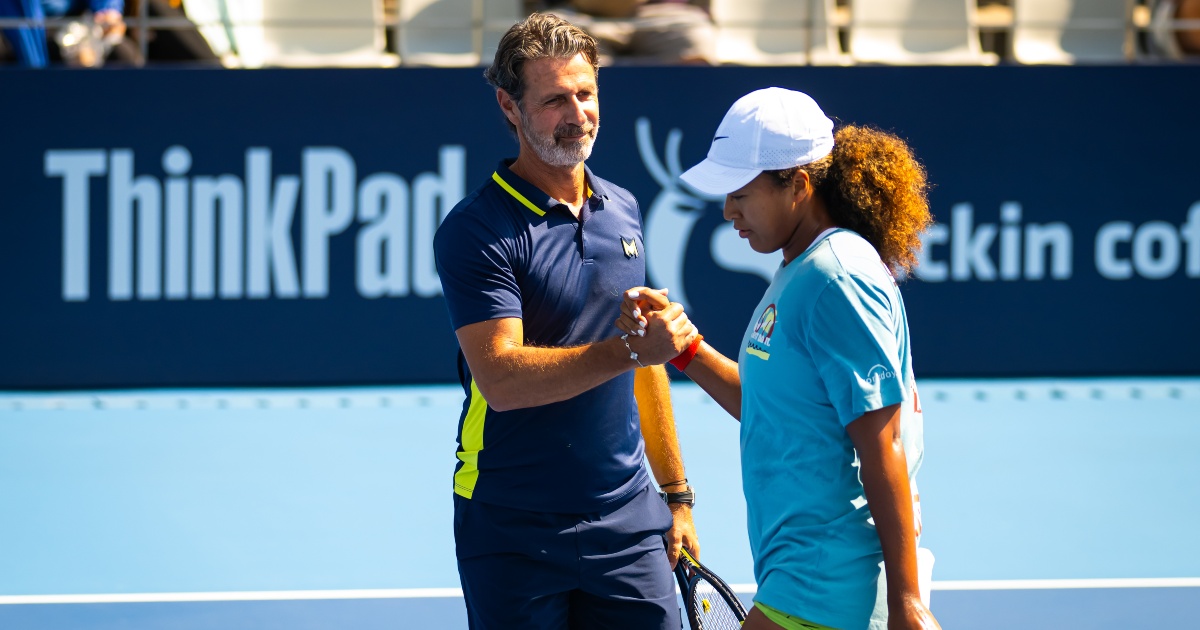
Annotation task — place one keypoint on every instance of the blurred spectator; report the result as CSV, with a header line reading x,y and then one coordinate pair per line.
x,y
1168,40
644,31
87,42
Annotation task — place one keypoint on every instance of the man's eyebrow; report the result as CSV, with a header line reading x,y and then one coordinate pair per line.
x,y
550,95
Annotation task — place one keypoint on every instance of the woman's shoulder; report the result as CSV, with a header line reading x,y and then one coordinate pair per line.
x,y
847,255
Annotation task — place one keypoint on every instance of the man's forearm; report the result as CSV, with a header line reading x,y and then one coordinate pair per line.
x,y
652,387
513,375
653,391
529,376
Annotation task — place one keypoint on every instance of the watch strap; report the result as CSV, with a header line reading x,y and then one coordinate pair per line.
x,y
687,497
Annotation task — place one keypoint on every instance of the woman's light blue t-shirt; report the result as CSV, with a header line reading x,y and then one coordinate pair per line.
x,y
828,343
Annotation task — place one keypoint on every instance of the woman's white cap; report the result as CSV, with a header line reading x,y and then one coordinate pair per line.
x,y
766,130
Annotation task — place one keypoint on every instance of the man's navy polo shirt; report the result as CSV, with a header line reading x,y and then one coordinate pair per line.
x,y
510,250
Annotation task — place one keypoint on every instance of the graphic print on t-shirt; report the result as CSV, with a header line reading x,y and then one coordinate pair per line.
x,y
760,340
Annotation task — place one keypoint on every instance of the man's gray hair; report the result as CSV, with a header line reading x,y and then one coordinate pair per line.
x,y
539,36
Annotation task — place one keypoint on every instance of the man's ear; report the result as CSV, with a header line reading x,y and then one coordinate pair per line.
x,y
508,106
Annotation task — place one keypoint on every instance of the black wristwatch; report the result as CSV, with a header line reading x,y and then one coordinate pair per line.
x,y
687,497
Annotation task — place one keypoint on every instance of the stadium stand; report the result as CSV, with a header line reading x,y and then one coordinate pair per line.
x,y
776,32
1068,31
213,20
911,32
382,33
295,33
453,32
644,32
1174,28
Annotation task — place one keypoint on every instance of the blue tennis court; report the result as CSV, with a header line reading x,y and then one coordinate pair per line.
x,y
1048,503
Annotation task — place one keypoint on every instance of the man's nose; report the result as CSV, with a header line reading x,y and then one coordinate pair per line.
x,y
577,113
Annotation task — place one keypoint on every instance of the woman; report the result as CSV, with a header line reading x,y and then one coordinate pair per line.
x,y
824,388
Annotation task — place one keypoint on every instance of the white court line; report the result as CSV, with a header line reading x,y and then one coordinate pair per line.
x,y
1048,390
423,593
1019,585
232,596
1012,585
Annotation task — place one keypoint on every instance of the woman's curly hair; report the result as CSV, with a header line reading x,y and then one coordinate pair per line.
x,y
873,184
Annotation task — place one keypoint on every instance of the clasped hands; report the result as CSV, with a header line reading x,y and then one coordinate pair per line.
x,y
658,329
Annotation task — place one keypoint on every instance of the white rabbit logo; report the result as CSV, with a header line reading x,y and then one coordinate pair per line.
x,y
672,216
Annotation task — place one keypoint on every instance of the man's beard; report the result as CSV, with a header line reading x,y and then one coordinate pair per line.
x,y
554,153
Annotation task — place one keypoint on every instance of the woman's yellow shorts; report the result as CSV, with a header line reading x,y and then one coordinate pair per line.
x,y
790,622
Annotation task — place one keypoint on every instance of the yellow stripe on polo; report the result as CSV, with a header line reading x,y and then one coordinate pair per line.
x,y
472,442
519,197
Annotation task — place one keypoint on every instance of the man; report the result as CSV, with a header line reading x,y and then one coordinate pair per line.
x,y
556,523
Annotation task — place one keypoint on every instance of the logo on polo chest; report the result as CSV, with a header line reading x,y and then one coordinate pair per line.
x,y
630,247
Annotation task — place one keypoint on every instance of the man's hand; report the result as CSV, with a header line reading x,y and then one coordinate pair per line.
x,y
682,533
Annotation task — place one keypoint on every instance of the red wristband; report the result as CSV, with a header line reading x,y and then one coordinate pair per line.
x,y
681,362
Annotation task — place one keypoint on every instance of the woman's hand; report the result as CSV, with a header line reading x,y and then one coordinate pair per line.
x,y
636,304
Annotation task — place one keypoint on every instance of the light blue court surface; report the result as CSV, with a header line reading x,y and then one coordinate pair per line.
x,y
1048,503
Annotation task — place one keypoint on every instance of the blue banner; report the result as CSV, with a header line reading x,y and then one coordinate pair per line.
x,y
164,228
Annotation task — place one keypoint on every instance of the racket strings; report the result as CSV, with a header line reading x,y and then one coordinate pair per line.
x,y
711,608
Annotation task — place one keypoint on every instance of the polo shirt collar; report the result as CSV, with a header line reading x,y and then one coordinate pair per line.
x,y
533,197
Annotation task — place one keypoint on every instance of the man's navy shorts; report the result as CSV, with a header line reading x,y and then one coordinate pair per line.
x,y
533,570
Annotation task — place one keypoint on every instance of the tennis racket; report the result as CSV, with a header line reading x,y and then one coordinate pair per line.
x,y
708,600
